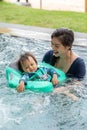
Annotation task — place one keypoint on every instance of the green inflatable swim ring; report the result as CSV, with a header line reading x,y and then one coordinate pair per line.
x,y
13,76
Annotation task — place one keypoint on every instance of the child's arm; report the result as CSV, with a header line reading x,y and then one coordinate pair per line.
x,y
21,87
55,79
54,75
22,83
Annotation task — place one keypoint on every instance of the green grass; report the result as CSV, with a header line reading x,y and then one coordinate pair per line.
x,y
15,14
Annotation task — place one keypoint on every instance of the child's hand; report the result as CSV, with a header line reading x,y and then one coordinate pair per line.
x,y
21,87
55,79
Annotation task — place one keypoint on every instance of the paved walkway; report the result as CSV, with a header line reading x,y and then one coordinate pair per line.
x,y
67,5
37,32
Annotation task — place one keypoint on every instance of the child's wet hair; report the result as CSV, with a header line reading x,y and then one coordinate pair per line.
x,y
24,57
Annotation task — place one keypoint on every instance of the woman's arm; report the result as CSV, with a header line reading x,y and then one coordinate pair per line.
x,y
77,69
47,57
66,90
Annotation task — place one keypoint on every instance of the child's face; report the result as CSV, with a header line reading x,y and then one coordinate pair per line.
x,y
29,65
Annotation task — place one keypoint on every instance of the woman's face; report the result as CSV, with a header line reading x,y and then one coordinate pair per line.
x,y
29,65
58,48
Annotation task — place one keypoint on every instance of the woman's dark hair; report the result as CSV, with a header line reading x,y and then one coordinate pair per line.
x,y
24,57
65,36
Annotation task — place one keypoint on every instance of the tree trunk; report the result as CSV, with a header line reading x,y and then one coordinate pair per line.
x,y
85,5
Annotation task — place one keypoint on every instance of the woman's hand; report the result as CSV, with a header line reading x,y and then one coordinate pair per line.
x,y
21,87
65,91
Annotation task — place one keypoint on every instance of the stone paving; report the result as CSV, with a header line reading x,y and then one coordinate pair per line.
x,y
37,32
67,5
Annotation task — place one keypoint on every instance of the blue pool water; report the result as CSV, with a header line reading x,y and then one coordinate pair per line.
x,y
38,111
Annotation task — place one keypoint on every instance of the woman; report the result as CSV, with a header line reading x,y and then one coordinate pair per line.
x,y
61,56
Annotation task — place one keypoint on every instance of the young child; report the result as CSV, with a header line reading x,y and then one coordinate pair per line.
x,y
27,64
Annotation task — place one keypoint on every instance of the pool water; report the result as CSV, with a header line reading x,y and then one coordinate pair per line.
x,y
38,111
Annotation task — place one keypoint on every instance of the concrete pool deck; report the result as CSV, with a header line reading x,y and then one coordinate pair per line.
x,y
37,32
